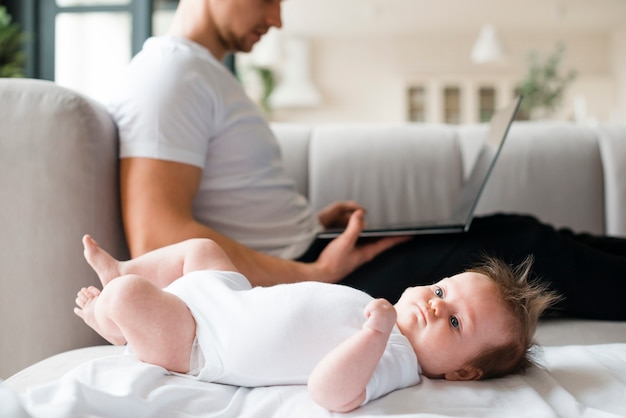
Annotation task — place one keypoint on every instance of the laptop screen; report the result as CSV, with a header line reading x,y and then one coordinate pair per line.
x,y
498,130
463,214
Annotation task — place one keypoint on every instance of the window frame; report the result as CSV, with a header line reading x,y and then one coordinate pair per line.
x,y
38,19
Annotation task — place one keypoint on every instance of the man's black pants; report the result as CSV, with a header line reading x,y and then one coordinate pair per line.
x,y
590,271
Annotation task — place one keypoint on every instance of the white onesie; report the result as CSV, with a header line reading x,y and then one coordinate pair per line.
x,y
276,335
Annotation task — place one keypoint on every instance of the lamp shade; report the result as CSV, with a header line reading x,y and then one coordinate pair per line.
x,y
487,47
295,88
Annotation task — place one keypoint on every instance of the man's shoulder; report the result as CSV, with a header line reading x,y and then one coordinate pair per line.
x,y
179,69
176,49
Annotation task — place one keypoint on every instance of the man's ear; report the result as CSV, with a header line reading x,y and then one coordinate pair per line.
x,y
465,373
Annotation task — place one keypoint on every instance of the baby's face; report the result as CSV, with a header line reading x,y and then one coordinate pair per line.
x,y
451,322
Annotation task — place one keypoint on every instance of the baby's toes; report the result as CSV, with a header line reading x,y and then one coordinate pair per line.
x,y
92,292
81,297
85,295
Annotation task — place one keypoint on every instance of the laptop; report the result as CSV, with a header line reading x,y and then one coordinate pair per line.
x,y
463,214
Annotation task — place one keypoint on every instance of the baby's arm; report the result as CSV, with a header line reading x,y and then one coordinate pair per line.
x,y
338,382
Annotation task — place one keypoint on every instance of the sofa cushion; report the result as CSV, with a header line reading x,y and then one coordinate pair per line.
x,y
399,173
552,170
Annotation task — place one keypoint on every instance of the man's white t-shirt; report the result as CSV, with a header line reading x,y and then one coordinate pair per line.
x,y
276,335
178,103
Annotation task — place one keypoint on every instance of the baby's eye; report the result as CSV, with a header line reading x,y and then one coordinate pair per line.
x,y
439,292
454,322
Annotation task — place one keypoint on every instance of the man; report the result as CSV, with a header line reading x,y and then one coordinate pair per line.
x,y
199,160
158,194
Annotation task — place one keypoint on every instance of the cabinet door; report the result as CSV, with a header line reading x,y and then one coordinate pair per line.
x,y
417,104
452,104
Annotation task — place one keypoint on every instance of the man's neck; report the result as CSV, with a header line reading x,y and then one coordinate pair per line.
x,y
192,21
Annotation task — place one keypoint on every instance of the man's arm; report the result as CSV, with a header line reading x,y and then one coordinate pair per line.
x,y
338,382
157,198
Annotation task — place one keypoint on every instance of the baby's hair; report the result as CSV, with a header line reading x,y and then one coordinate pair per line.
x,y
527,300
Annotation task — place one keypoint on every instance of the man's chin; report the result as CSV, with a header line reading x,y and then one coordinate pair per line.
x,y
242,47
234,45
245,43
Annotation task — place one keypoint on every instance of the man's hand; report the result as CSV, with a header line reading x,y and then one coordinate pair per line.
x,y
342,255
337,214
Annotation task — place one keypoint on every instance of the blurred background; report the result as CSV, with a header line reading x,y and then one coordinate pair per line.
x,y
439,61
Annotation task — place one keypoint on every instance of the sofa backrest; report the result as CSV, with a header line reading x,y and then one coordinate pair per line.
x,y
565,174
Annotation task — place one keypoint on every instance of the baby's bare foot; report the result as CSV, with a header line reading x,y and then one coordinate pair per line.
x,y
107,267
86,301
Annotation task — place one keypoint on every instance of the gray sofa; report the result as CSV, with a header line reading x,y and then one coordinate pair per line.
x,y
58,181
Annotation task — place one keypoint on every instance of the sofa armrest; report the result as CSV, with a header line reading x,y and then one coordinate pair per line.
x,y
613,149
58,181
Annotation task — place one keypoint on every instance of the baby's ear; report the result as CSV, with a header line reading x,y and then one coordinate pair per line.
x,y
465,373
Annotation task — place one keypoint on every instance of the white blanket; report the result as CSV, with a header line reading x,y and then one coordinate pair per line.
x,y
578,381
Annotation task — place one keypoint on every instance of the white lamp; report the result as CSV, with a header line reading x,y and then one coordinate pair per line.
x,y
295,88
487,47
267,52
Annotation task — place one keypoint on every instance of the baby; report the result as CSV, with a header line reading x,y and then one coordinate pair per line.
x,y
186,308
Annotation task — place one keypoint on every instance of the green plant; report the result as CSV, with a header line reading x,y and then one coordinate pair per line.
x,y
544,85
266,82
12,55
267,79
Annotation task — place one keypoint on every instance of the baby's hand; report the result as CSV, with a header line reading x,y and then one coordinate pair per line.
x,y
381,316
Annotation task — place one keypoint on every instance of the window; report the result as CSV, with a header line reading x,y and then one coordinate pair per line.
x,y
86,44
93,41
84,59
82,44
452,105
162,14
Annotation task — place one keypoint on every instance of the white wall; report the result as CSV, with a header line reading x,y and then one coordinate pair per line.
x,y
365,78
619,72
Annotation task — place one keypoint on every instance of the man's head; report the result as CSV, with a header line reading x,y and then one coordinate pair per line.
x,y
474,325
226,25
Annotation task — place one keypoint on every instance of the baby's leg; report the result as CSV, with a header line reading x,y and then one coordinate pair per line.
x,y
157,324
86,299
106,267
161,266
